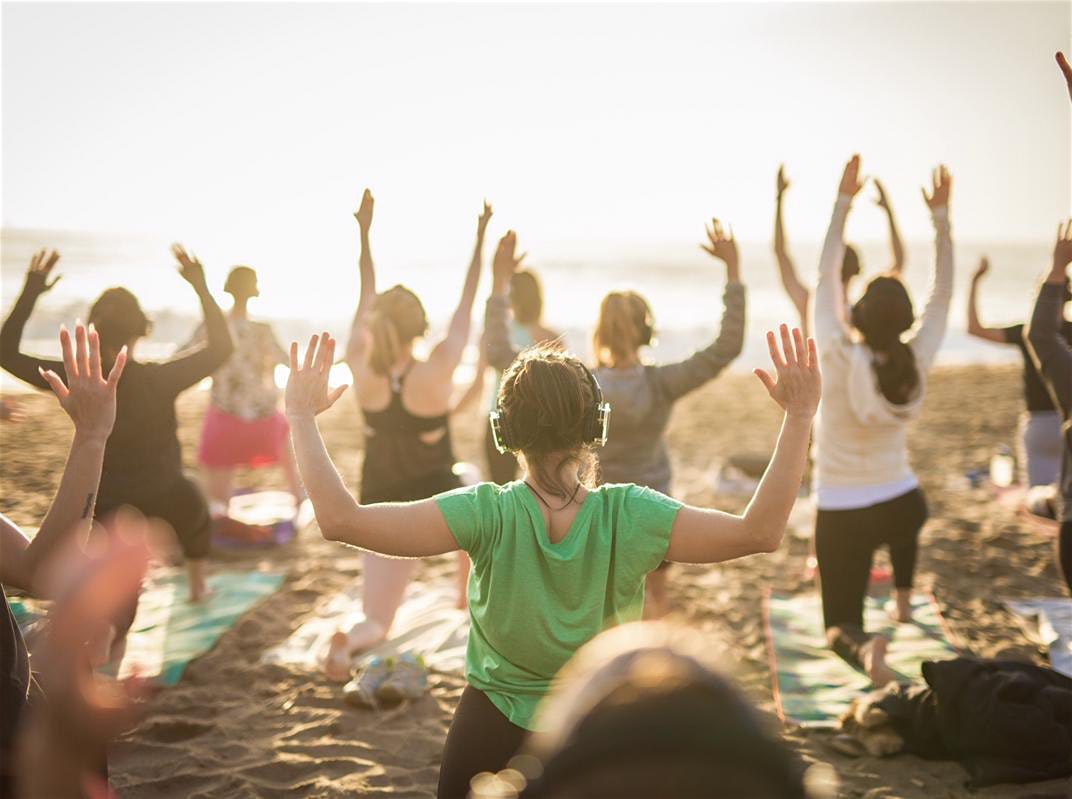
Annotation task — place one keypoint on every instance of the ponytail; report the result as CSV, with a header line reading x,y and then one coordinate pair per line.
x,y
881,316
397,317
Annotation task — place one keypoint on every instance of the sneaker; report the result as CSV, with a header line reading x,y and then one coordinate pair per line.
x,y
361,691
408,680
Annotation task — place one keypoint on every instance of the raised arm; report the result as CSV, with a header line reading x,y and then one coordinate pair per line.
x,y
355,346
710,536
787,271
89,399
448,353
497,345
26,367
371,527
678,379
828,323
1066,71
1048,348
896,245
932,322
180,373
975,327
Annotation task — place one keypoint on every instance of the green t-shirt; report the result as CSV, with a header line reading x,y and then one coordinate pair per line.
x,y
532,603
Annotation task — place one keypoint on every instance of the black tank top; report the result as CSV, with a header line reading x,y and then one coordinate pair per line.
x,y
400,466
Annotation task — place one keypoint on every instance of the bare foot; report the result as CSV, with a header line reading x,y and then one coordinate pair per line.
x,y
873,655
900,607
339,660
199,592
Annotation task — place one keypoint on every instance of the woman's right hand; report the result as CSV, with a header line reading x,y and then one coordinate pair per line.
x,y
783,181
40,268
506,262
850,178
363,214
799,385
307,393
941,186
88,398
723,246
190,268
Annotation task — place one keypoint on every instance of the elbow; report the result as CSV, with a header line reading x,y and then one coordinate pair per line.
x,y
770,539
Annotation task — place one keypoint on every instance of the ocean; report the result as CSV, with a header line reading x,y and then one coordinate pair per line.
x,y
682,284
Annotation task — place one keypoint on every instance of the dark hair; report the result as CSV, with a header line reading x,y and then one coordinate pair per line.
x,y
850,264
625,325
546,399
119,319
637,713
881,315
526,297
397,317
241,281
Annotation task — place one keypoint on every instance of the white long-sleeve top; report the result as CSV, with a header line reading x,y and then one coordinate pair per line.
x,y
860,447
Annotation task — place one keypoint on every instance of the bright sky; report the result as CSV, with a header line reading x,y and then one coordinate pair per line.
x,y
249,130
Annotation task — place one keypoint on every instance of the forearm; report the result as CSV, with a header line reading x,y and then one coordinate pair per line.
x,y
828,303
335,506
1048,348
461,322
71,513
767,513
933,320
217,331
974,325
11,358
500,351
896,246
366,294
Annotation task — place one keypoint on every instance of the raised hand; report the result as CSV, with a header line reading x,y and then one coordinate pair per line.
x,y
880,199
307,391
506,262
40,268
799,385
981,269
1062,250
851,183
1066,70
941,185
482,222
88,397
783,181
189,267
722,245
363,214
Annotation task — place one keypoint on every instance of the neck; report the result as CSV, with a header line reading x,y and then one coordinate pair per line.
x,y
238,310
564,466
627,362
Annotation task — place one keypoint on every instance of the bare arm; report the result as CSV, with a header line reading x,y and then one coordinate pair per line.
x,y
975,327
828,323
89,399
475,389
497,346
1048,348
355,346
787,271
26,367
341,518
448,353
896,245
709,536
933,320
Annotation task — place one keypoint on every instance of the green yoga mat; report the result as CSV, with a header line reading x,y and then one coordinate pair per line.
x,y
813,686
168,632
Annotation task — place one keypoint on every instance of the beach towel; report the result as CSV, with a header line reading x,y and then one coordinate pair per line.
x,y
427,624
812,686
260,519
1048,622
168,632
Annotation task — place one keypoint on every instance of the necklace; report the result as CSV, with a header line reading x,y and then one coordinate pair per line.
x,y
539,496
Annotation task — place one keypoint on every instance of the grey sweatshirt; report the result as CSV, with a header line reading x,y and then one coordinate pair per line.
x,y
641,398
1053,357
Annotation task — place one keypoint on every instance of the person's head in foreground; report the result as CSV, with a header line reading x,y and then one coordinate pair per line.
x,y
637,713
396,320
625,325
551,412
241,284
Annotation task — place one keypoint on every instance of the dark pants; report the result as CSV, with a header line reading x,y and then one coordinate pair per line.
x,y
1064,553
845,543
480,739
502,466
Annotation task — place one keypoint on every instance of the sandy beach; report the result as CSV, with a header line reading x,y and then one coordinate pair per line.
x,y
236,727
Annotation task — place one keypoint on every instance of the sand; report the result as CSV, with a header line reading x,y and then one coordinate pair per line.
x,y
236,727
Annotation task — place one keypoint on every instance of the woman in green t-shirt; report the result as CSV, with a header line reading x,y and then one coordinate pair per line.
x,y
555,561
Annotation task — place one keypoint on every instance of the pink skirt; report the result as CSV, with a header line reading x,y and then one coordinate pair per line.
x,y
227,441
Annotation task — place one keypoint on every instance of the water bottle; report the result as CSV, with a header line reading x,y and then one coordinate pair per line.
x,y
1002,467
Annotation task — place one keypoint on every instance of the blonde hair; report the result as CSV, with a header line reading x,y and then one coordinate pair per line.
x,y
397,317
624,326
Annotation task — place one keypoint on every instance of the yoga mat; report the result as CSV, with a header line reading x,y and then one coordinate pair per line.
x,y
812,686
1047,621
168,632
259,519
427,624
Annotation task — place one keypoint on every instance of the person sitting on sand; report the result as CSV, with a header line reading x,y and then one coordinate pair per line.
x,y
244,425
866,493
1052,354
638,712
555,559
850,262
406,402
1039,440
143,461
89,398
643,395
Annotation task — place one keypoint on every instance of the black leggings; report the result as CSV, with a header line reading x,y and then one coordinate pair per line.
x,y
480,739
845,543
1064,553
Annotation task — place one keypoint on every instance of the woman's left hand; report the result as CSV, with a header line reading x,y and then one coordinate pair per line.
x,y
799,385
307,392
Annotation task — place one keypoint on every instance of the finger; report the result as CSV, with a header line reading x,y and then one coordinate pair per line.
x,y
334,395
776,357
323,353
35,260
520,258
51,262
69,365
799,347
293,356
813,355
54,383
94,353
766,380
787,345
81,350
53,282
310,353
117,368
707,249
729,234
